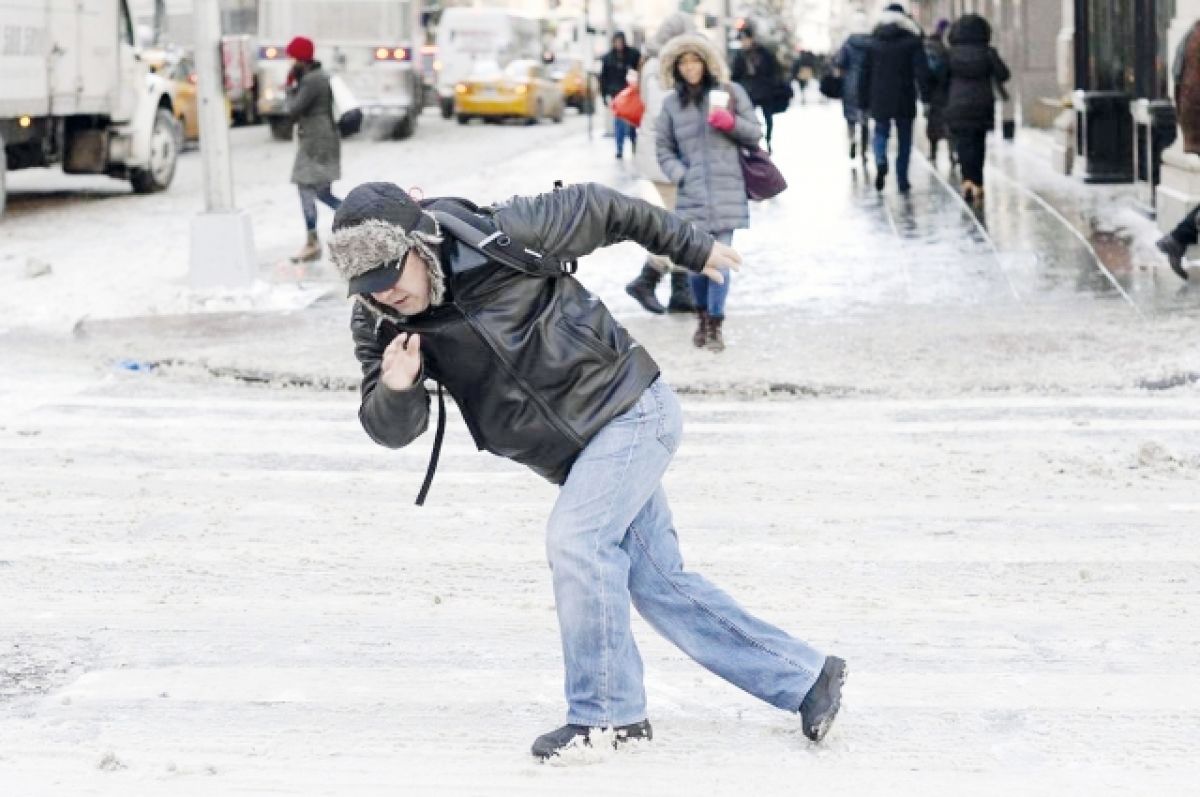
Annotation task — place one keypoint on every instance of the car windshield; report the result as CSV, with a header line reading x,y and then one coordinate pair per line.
x,y
518,70
485,70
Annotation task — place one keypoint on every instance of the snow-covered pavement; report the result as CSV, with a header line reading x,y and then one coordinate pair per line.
x,y
226,590
946,448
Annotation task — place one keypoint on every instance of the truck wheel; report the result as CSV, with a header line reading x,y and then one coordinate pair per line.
x,y
3,171
405,127
281,128
447,108
463,118
164,151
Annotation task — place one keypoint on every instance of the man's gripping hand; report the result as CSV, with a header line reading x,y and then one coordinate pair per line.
x,y
720,257
402,362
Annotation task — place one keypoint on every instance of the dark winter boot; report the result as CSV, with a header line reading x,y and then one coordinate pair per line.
x,y
642,289
820,706
1174,251
933,142
553,743
880,176
700,336
716,341
311,250
681,300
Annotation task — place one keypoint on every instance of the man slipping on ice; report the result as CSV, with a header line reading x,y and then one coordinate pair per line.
x,y
545,376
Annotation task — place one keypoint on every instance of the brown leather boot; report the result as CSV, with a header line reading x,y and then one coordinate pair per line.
x,y
700,337
311,250
716,341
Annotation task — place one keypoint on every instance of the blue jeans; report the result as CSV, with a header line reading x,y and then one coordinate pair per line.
x,y
611,541
309,194
623,130
709,295
904,130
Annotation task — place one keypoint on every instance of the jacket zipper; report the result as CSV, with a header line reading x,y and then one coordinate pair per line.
x,y
555,421
708,192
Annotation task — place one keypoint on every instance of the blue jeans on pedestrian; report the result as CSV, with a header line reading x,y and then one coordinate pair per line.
x,y
611,541
309,194
623,130
710,296
904,131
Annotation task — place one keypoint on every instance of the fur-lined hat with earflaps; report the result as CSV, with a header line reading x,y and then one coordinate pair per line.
x,y
699,45
373,232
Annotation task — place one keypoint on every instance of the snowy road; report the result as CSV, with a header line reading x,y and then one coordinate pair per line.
x,y
951,473
227,592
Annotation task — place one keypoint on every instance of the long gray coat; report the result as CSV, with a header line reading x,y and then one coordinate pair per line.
x,y
704,162
319,155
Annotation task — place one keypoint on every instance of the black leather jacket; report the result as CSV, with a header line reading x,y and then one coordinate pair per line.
x,y
537,365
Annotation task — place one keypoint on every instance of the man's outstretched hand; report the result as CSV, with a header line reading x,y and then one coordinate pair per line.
x,y
402,361
720,257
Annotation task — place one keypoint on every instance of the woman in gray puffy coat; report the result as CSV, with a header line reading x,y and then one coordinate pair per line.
x,y
698,149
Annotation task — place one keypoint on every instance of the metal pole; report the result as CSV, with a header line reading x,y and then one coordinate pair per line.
x,y
214,127
222,240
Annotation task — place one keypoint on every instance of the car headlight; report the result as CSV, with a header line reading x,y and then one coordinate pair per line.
x,y
461,88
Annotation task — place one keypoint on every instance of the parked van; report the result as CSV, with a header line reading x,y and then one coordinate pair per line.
x,y
470,36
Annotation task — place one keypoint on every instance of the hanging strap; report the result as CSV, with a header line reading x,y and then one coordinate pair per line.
x,y
437,448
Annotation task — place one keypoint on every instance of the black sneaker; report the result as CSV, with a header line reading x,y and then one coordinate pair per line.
x,y
1174,252
820,706
551,744
880,176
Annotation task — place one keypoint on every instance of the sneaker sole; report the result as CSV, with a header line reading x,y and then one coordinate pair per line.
x,y
819,730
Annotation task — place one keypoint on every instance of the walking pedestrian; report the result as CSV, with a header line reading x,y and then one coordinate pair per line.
x,y
543,375
758,71
938,56
319,150
804,69
1175,243
653,93
976,70
895,72
849,61
703,125
1185,68
614,77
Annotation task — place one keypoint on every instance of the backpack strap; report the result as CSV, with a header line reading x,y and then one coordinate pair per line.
x,y
476,229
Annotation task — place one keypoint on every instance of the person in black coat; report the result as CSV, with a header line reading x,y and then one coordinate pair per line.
x,y
938,56
975,68
894,73
614,71
758,71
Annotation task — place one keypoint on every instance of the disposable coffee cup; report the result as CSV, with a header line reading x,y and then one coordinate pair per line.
x,y
718,98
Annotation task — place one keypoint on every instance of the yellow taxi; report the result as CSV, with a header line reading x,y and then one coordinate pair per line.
x,y
181,73
520,90
574,80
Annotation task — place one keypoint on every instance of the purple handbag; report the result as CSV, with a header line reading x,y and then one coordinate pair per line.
x,y
763,179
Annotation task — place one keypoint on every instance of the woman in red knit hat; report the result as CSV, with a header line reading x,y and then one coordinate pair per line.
x,y
318,156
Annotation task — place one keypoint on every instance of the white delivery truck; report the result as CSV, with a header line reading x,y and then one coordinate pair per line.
x,y
74,92
467,36
368,43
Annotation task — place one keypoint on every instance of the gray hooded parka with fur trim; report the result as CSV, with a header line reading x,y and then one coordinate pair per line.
x,y
700,159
